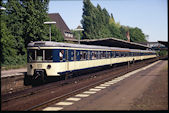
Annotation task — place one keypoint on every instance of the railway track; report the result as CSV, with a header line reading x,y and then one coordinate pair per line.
x,y
63,89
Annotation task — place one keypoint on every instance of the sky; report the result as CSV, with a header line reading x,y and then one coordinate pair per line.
x,y
150,16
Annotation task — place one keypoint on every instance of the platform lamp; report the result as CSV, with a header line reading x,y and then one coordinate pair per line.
x,y
79,33
2,8
50,23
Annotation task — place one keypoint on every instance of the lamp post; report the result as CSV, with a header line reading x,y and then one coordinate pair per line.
x,y
79,33
50,23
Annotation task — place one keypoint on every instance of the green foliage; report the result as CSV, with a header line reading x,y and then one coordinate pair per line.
x,y
111,20
115,31
56,34
136,35
88,20
22,22
77,33
163,53
97,23
35,16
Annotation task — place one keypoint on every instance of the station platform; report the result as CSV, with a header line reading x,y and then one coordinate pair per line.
x,y
13,72
143,89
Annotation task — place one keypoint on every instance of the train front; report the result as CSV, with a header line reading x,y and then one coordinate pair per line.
x,y
40,62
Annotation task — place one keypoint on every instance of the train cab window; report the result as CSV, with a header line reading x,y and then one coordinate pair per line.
x,y
48,54
39,55
31,55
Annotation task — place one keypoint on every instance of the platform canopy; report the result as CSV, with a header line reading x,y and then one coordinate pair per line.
x,y
164,43
114,42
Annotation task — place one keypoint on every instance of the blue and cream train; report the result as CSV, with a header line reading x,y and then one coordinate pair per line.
x,y
47,58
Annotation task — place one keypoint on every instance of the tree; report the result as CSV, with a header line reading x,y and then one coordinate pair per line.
x,y
88,18
111,20
36,15
115,31
123,30
95,21
23,21
56,34
136,35
15,25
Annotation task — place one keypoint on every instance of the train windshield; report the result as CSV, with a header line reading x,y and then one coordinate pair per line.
x,y
31,55
35,55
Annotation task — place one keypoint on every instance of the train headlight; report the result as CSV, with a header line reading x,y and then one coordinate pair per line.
x,y
49,66
31,66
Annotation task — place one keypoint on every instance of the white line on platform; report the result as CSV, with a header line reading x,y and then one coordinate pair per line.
x,y
73,99
81,95
64,103
89,92
52,109
104,85
93,89
100,87
109,83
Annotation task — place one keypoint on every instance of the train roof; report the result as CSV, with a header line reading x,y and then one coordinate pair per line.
x,y
60,44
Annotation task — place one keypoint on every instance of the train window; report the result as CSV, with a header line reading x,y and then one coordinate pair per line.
x,y
111,54
117,54
77,55
90,55
70,55
104,54
126,54
59,55
98,54
108,54
93,55
86,55
39,55
114,54
63,55
31,55
83,55
48,54
101,55
122,54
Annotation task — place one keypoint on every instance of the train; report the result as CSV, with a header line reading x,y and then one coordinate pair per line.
x,y
48,58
